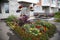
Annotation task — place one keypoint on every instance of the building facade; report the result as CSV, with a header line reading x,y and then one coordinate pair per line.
x,y
49,6
10,7
58,4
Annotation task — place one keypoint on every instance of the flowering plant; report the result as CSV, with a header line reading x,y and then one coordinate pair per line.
x,y
38,30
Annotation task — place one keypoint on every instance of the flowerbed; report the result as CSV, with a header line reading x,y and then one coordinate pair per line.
x,y
37,30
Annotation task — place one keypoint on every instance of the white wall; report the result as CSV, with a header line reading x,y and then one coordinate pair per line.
x,y
13,7
38,9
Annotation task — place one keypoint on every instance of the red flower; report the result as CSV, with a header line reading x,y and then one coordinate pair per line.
x,y
38,27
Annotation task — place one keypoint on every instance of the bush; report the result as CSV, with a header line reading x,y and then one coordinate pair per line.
x,y
38,30
51,27
44,37
51,31
57,16
11,18
57,20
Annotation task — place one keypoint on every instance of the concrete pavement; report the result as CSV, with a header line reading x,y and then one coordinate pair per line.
x,y
56,35
6,33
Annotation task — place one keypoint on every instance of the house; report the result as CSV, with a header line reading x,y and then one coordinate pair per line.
x,y
18,7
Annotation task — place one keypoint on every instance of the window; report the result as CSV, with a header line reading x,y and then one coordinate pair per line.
x,y
53,1
6,7
58,0
58,4
46,1
59,9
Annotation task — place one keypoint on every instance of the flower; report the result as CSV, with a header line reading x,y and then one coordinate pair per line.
x,y
31,28
40,33
38,27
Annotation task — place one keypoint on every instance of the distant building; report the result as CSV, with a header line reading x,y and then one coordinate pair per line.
x,y
17,7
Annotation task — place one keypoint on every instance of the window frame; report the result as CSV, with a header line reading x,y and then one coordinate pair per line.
x,y
6,7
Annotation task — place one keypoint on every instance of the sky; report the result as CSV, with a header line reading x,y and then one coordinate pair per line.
x,y
32,1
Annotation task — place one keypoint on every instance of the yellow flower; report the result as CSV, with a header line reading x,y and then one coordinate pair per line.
x,y
13,26
40,33
31,28
46,28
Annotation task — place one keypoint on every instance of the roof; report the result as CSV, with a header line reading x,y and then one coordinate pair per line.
x,y
24,2
29,1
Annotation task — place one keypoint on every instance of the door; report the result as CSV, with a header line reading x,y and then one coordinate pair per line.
x,y
46,9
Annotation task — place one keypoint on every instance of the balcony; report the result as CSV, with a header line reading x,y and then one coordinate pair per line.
x,y
58,4
30,1
53,3
45,3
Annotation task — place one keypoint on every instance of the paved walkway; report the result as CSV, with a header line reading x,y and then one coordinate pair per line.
x,y
57,35
7,34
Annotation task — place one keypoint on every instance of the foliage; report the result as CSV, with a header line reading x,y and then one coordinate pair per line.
x,y
57,16
57,20
44,23
11,18
51,31
51,28
38,30
44,37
